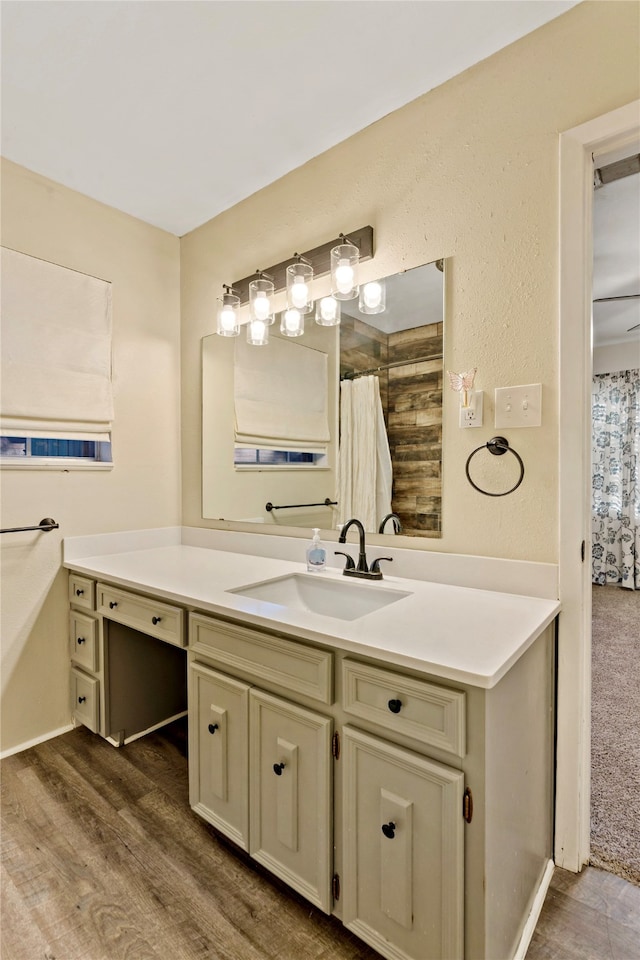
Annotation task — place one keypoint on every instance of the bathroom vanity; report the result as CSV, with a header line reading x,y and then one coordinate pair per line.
x,y
393,766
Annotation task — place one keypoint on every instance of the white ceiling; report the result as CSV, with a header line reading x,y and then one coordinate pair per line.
x,y
174,111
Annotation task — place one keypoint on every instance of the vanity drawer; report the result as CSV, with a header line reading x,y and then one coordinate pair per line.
x,y
85,700
82,592
83,640
425,711
153,617
262,657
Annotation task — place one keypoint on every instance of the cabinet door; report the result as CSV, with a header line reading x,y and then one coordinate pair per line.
x,y
403,856
218,751
85,704
83,641
291,778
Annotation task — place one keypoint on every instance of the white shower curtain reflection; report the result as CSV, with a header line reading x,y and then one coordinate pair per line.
x,y
364,466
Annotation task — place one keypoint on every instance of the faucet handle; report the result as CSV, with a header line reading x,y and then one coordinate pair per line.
x,y
350,565
375,566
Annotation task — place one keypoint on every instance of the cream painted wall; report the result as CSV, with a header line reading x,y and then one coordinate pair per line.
x,y
46,220
469,171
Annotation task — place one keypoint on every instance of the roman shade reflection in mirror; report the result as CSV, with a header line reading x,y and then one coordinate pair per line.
x,y
402,349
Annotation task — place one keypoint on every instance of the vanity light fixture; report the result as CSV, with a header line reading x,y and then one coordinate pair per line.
x,y
261,291
296,275
228,325
299,280
372,297
292,322
328,312
345,258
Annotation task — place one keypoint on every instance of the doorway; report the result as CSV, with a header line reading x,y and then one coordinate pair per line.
x,y
615,516
578,148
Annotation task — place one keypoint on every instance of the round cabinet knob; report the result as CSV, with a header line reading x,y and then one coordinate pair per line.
x,y
112,604
395,706
212,727
278,768
389,829
81,699
81,640
79,592
155,620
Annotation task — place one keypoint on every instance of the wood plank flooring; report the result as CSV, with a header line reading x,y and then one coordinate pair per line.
x,y
593,915
102,859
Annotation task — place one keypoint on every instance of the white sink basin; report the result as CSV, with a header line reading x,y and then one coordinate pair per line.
x,y
313,593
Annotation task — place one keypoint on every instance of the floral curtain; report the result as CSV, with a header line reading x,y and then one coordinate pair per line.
x,y
615,483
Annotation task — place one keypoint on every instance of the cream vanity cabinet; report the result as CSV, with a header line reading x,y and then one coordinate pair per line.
x,y
267,772
416,809
128,662
85,654
260,766
402,816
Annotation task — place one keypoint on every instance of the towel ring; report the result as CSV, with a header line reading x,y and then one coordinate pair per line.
x,y
497,446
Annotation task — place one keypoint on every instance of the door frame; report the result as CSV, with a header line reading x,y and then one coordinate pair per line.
x,y
578,148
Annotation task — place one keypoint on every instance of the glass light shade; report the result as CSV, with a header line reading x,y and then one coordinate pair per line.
x,y
328,312
372,297
299,279
228,325
292,322
257,332
344,271
261,293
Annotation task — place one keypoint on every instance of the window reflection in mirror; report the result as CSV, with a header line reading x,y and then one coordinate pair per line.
x,y
405,342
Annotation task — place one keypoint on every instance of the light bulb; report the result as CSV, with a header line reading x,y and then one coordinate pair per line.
x,y
328,312
299,293
261,305
228,315
299,277
227,318
257,333
292,319
344,276
328,309
372,295
292,323
344,271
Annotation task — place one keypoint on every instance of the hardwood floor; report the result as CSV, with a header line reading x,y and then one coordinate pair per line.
x,y
593,915
102,859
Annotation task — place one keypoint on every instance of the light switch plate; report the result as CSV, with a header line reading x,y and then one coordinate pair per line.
x,y
519,406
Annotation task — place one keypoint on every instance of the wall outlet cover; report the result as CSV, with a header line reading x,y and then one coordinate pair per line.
x,y
471,416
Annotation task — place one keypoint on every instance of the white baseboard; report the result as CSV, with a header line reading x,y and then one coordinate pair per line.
x,y
36,741
534,913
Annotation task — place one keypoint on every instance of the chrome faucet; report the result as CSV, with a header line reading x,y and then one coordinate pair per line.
x,y
397,526
362,569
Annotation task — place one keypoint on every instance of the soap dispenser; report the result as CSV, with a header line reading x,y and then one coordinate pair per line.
x,y
316,553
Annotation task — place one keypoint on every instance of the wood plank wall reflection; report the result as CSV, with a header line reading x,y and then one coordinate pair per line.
x,y
411,397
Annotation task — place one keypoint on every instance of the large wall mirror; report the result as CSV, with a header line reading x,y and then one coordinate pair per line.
x,y
343,421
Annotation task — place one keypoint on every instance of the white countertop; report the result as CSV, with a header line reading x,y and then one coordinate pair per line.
x,y
458,633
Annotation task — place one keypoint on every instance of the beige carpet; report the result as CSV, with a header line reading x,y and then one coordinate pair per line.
x,y
615,732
